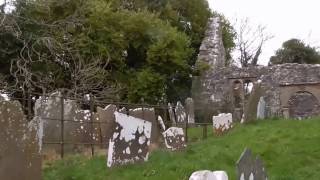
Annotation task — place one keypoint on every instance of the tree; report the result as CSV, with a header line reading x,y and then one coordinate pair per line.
x,y
250,42
89,47
295,51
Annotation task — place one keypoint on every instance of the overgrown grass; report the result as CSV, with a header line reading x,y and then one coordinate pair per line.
x,y
289,149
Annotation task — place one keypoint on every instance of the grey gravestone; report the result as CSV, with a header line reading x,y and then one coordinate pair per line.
x,y
162,125
261,111
174,138
77,126
249,168
130,141
148,114
180,113
171,114
190,110
19,149
107,119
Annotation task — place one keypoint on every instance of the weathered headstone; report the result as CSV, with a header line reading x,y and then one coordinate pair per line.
x,y
174,138
19,149
162,125
149,115
190,110
222,123
107,120
130,141
209,175
171,114
250,168
180,113
261,111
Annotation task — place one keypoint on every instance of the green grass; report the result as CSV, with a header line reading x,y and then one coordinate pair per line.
x,y
289,149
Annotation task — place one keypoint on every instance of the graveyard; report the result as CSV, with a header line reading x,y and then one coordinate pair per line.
x,y
151,90
289,150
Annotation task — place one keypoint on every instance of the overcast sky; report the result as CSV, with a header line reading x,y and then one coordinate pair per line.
x,y
285,19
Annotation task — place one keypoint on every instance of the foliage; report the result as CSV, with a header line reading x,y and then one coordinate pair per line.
x,y
277,142
296,51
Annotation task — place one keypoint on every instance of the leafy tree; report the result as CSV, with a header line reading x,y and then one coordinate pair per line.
x,y
295,51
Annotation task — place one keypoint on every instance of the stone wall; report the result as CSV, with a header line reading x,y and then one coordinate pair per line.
x,y
278,83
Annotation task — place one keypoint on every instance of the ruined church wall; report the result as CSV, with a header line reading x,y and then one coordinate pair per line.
x,y
214,91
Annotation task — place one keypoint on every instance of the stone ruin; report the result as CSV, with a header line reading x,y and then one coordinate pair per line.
x,y
288,90
130,141
21,144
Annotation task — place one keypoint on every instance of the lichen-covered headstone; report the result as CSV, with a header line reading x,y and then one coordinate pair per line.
x,y
162,125
180,113
130,141
190,110
19,149
171,114
222,123
261,111
149,115
107,120
174,138
209,175
249,168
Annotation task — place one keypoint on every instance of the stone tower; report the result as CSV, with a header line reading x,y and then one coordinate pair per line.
x,y
212,50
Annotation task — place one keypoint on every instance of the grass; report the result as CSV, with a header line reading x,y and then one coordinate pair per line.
x,y
290,151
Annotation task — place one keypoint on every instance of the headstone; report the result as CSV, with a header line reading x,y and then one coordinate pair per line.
x,y
222,123
148,114
162,125
107,121
209,175
123,110
19,149
250,168
261,111
190,110
130,141
174,138
180,113
171,114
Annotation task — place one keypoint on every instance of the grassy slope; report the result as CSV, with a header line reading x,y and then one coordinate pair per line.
x,y
290,150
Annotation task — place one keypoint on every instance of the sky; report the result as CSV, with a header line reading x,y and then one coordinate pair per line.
x,y
284,19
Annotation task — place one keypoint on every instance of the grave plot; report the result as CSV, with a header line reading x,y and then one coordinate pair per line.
x,y
130,141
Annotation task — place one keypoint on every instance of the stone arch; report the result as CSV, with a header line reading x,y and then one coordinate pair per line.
x,y
303,104
237,92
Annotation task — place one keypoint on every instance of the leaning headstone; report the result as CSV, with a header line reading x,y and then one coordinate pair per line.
x,y
19,149
162,125
180,113
174,138
190,110
261,110
222,123
149,115
130,141
209,175
107,120
249,168
171,114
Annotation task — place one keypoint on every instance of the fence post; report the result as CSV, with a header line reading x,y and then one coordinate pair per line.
x,y
187,126
62,126
204,131
92,127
